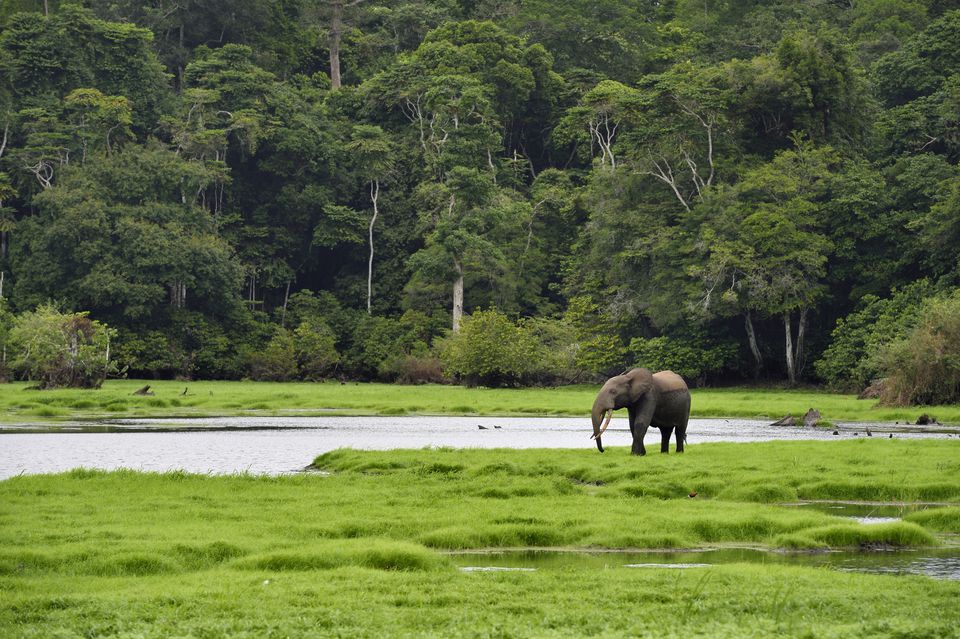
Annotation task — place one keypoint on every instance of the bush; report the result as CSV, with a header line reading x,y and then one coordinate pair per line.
x,y
415,370
383,347
489,350
692,356
493,351
557,351
277,362
924,367
61,349
149,354
315,349
852,361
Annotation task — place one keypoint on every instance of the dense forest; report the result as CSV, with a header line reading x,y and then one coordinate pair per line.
x,y
490,190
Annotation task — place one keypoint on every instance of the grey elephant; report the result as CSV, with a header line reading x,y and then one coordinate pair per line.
x,y
661,400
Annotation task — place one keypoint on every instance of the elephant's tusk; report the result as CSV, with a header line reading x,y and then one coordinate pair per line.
x,y
606,422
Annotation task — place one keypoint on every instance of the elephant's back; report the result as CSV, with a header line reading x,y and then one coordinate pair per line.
x,y
669,381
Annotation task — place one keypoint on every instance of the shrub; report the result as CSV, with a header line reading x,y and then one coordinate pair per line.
x,y
381,345
61,349
277,362
693,356
851,360
924,367
556,351
315,349
415,370
492,350
149,353
489,350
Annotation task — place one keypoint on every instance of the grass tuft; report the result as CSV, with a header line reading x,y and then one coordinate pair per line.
x,y
378,554
945,520
897,535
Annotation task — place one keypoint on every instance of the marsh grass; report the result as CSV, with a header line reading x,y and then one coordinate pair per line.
x,y
360,552
215,398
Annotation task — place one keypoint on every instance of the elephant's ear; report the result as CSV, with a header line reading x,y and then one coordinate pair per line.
x,y
641,381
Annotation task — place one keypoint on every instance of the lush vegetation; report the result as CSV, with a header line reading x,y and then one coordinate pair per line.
x,y
311,188
117,398
360,551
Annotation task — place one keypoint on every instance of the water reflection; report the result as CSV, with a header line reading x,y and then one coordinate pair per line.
x,y
936,563
275,445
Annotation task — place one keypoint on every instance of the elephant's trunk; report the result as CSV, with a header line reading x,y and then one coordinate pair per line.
x,y
597,415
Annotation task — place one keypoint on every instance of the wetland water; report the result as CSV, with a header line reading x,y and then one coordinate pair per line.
x,y
937,563
276,445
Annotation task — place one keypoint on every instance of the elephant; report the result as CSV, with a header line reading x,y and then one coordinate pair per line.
x,y
661,400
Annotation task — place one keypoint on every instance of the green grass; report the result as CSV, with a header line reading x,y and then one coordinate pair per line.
x,y
360,551
116,399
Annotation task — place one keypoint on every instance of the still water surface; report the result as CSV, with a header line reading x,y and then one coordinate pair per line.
x,y
936,563
276,445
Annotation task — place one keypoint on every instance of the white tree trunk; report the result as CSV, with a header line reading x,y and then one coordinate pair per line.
x,y
791,363
374,195
457,297
752,339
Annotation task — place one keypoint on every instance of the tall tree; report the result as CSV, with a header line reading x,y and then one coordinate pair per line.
x,y
372,150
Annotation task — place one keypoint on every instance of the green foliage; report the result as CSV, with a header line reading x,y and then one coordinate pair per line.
x,y
277,361
852,360
489,350
58,349
6,322
924,366
383,347
316,351
752,165
693,356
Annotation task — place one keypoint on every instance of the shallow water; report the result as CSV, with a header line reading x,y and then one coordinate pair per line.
x,y
936,563
275,445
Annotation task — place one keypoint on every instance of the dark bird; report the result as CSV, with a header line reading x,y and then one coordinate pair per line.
x,y
836,432
891,435
498,426
856,434
869,433
481,427
184,392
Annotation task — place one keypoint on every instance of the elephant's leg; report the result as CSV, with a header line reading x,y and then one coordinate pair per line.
x,y
631,417
681,436
644,413
638,434
665,432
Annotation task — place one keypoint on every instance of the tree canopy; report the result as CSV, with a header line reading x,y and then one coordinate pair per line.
x,y
301,188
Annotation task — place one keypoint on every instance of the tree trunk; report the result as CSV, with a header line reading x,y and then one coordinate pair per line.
x,y
457,297
336,34
374,195
791,363
4,244
754,349
798,348
283,313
